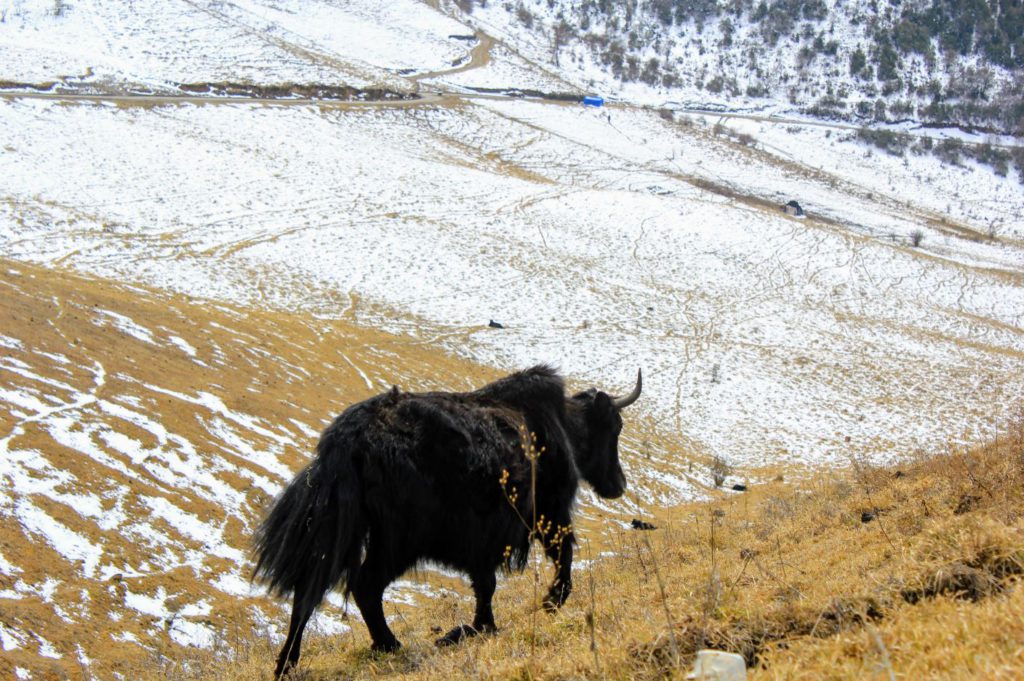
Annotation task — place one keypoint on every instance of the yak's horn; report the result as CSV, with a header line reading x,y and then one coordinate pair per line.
x,y
623,402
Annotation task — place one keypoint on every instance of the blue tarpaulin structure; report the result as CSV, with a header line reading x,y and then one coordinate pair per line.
x,y
591,100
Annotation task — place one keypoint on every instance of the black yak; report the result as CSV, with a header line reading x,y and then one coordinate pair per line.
x,y
442,477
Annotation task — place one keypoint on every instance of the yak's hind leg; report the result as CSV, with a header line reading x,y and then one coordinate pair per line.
x,y
368,592
303,605
558,548
484,584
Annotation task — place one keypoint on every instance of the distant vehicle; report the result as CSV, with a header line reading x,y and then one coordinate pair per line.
x,y
593,100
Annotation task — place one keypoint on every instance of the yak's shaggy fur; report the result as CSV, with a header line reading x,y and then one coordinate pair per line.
x,y
444,477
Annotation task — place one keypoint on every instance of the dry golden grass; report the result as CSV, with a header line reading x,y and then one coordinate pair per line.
x,y
278,368
791,574
787,574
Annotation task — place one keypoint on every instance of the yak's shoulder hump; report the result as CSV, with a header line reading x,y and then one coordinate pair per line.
x,y
537,386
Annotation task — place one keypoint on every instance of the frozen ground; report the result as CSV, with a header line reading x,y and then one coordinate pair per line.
x,y
600,243
158,44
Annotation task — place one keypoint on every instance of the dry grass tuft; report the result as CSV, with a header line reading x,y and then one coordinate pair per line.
x,y
909,571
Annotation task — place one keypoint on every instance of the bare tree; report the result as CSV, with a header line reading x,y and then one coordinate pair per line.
x,y
560,36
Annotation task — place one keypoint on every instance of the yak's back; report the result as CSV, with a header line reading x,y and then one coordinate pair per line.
x,y
533,390
456,422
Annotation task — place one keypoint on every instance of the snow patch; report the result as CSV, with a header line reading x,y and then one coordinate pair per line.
x,y
183,345
128,326
71,545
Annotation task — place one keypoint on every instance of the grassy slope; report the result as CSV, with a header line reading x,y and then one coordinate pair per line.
x,y
284,368
788,574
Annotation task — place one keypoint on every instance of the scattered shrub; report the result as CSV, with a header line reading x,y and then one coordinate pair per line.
x,y
524,16
950,151
719,469
894,143
998,159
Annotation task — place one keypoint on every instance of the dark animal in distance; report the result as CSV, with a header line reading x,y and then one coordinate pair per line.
x,y
445,477
793,208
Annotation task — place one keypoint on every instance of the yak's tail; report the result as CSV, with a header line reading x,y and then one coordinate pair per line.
x,y
312,539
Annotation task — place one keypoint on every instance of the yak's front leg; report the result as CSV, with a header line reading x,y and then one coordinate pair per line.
x,y
484,584
558,547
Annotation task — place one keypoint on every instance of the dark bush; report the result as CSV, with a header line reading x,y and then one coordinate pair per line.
x,y
1017,154
887,61
999,159
950,151
911,36
894,143
858,60
525,16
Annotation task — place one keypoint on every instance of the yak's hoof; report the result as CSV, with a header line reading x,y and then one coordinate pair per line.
x,y
556,598
385,646
456,635
283,669
461,632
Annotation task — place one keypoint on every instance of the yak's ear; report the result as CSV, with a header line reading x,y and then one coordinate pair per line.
x,y
586,395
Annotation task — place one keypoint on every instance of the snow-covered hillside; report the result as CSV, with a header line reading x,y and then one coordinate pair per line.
x,y
157,44
934,60
601,243
144,423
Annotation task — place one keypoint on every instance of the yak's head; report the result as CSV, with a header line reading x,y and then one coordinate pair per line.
x,y
596,424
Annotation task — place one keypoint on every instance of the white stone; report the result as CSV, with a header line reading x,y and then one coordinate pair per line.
x,y
716,665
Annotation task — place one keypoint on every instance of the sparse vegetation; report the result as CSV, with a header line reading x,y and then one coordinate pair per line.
x,y
833,576
719,469
894,143
990,155
743,138
1017,154
950,150
984,92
